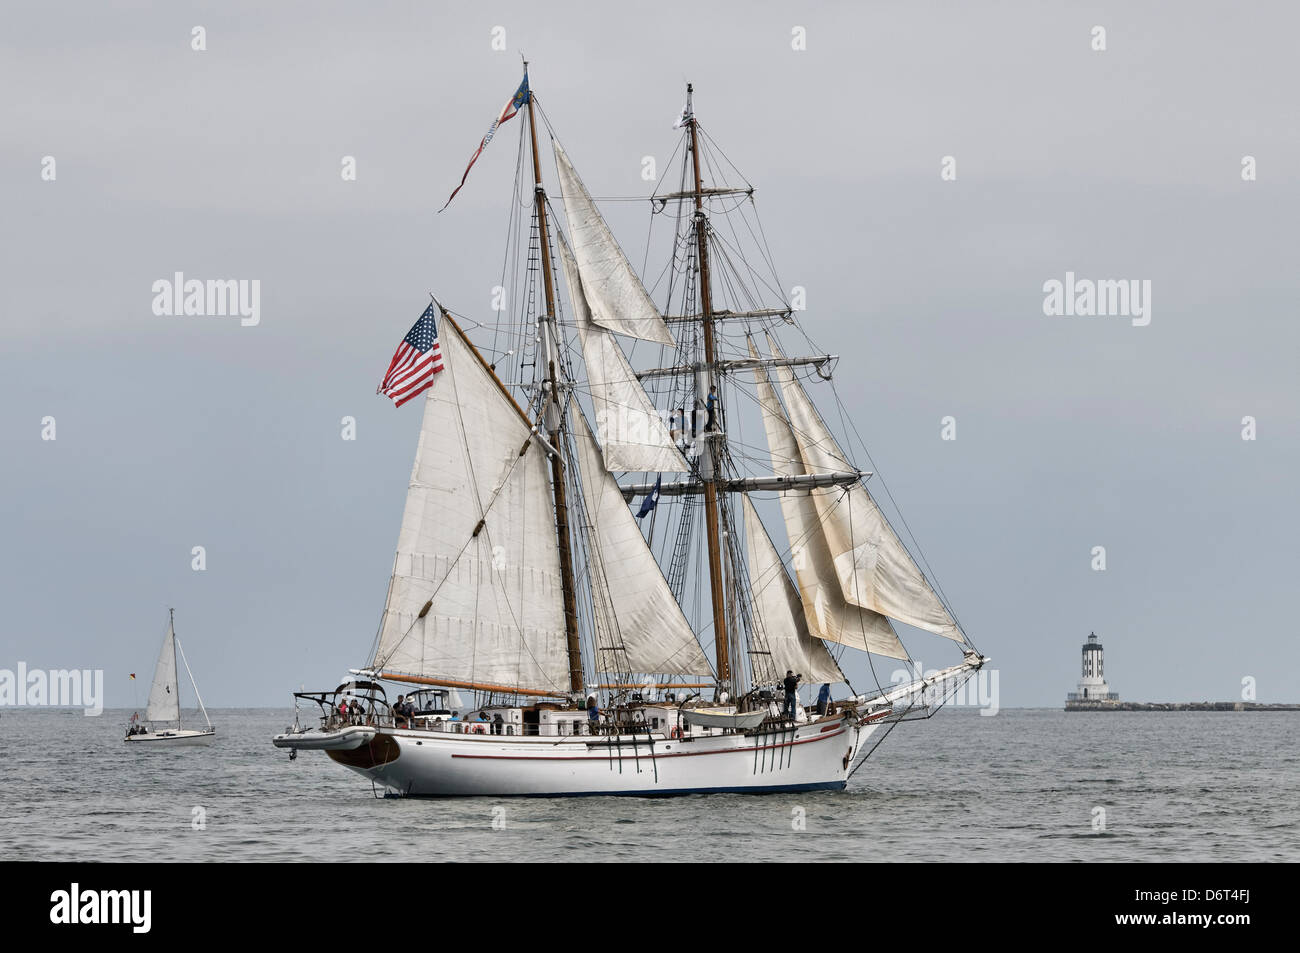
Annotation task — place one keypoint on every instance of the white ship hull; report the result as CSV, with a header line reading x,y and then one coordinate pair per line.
x,y
423,763
176,738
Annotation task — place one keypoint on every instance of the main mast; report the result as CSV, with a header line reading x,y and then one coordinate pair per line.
x,y
554,417
709,472
176,673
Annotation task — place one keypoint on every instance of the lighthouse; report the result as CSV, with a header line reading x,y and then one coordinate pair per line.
x,y
1092,684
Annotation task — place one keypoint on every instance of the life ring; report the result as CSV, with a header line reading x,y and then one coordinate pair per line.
x,y
677,731
476,728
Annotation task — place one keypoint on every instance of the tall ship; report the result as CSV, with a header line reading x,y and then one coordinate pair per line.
x,y
634,559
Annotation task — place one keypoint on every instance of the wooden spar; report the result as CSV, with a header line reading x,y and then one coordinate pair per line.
x,y
486,366
681,370
473,686
460,332
622,685
669,196
557,438
734,315
801,481
721,646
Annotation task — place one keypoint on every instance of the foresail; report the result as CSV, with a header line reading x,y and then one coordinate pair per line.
x,y
645,626
874,568
477,543
164,696
777,605
617,298
632,434
829,616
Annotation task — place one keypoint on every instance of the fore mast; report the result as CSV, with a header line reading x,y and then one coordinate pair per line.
x,y
553,416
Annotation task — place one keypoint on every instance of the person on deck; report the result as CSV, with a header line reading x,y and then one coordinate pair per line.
x,y
791,684
400,718
824,699
593,714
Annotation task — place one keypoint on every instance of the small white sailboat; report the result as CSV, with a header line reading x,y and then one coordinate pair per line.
x,y
165,704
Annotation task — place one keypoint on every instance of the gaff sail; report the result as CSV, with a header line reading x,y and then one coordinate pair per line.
x,y
476,595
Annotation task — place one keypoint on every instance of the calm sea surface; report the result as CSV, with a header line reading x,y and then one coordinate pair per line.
x,y
1022,785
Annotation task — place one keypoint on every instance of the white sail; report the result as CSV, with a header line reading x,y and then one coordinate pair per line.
x,y
618,300
631,432
647,623
164,694
778,606
828,614
874,568
495,595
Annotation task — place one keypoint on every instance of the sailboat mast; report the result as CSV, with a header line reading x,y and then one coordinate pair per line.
x,y
176,673
555,415
722,650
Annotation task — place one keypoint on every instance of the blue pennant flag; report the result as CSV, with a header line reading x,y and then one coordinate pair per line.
x,y
652,500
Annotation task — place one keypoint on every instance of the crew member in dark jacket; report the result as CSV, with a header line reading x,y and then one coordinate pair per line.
x,y
791,692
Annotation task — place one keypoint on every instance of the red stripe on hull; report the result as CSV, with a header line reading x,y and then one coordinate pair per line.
x,y
620,751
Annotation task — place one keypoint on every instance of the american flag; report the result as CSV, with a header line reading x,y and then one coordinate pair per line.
x,y
417,359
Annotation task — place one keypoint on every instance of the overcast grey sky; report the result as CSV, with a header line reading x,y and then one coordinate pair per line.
x,y
1073,432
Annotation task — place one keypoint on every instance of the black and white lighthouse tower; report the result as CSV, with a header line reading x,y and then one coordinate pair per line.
x,y
1092,683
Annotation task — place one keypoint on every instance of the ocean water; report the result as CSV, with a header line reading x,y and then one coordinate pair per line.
x,y
1021,785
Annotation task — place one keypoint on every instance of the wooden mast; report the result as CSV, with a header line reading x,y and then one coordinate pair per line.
x,y
551,387
721,646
